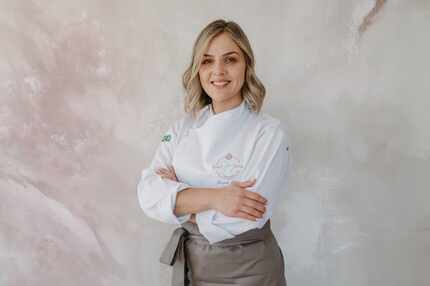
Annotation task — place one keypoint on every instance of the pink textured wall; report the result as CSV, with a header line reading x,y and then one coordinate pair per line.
x,y
71,114
87,88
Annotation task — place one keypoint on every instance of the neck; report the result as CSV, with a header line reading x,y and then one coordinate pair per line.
x,y
218,107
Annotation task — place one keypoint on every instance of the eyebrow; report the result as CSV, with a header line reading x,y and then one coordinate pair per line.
x,y
229,53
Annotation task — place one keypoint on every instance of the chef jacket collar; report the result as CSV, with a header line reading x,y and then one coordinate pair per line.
x,y
226,113
213,130
228,119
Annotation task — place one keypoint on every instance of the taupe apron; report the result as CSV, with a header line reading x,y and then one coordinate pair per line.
x,y
252,258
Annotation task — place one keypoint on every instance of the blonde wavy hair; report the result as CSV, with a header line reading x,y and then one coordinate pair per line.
x,y
253,90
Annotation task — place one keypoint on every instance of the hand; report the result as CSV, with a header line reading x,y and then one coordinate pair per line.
x,y
235,201
167,173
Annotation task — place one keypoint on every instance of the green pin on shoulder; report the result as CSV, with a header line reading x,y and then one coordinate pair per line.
x,y
166,138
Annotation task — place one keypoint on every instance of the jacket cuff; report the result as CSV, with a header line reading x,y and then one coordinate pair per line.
x,y
173,218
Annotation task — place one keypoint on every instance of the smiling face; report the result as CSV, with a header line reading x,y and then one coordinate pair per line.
x,y
222,72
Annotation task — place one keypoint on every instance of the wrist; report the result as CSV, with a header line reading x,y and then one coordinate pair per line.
x,y
214,197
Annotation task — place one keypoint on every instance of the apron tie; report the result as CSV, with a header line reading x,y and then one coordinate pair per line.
x,y
174,255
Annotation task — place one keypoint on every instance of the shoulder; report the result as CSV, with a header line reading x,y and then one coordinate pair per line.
x,y
270,128
268,124
187,121
179,127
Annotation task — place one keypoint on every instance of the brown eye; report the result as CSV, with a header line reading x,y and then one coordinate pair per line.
x,y
205,62
230,60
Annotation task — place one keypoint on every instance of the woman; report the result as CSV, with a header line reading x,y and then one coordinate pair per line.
x,y
219,170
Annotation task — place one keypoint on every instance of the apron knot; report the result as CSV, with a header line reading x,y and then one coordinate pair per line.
x,y
174,255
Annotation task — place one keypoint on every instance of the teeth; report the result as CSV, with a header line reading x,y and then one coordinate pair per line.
x,y
220,83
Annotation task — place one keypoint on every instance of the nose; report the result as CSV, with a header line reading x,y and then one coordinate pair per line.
x,y
219,68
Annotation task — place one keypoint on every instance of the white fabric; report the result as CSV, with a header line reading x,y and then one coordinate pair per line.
x,y
211,151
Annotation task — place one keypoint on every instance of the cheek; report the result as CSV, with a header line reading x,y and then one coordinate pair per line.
x,y
239,73
203,76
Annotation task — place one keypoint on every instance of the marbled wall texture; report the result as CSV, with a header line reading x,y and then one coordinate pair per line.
x,y
88,87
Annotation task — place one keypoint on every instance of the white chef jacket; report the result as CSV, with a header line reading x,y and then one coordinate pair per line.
x,y
211,151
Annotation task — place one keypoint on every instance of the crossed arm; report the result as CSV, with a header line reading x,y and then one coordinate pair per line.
x,y
233,200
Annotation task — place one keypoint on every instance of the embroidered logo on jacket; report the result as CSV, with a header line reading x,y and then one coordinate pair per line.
x,y
228,166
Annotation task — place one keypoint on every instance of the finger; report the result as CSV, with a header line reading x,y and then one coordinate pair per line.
x,y
255,196
246,216
254,204
251,211
241,182
172,177
162,173
173,174
167,177
171,169
247,183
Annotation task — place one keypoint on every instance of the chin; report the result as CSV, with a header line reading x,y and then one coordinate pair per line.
x,y
221,98
227,94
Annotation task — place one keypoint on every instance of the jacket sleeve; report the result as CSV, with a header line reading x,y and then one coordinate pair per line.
x,y
268,164
156,195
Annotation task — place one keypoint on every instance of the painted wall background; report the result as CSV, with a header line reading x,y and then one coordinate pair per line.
x,y
88,87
